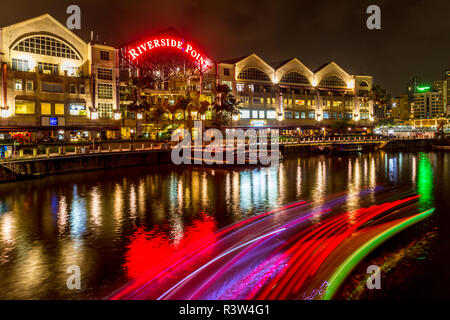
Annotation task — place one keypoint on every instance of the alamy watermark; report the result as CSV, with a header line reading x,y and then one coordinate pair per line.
x,y
239,146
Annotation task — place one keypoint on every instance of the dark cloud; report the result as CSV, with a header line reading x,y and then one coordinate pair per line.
x,y
414,39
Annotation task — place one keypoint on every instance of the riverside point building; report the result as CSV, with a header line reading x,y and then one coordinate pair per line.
x,y
289,95
53,83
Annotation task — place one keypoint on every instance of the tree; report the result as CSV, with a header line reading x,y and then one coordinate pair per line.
x,y
156,114
225,105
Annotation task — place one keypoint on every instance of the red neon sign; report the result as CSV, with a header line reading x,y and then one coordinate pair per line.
x,y
177,44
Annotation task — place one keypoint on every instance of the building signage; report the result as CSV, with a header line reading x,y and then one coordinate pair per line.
x,y
177,44
258,123
53,121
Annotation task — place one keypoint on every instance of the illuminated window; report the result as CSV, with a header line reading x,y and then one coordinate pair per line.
x,y
255,114
104,55
300,102
48,46
48,68
104,74
245,114
364,115
288,115
303,115
59,108
25,107
253,74
105,110
294,77
18,85
348,115
297,115
105,91
46,108
240,87
262,114
311,114
20,65
271,114
30,86
326,115
251,88
332,81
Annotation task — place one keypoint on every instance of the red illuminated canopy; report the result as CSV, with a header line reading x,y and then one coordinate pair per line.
x,y
164,41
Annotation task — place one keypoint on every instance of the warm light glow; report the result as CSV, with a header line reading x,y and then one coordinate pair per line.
x,y
351,84
235,117
94,115
117,116
5,113
139,116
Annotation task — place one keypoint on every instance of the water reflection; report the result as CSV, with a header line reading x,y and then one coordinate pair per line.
x,y
103,220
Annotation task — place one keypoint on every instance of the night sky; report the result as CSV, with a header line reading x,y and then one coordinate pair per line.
x,y
414,39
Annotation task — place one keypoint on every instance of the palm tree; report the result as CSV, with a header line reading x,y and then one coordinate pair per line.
x,y
183,103
225,104
172,109
156,114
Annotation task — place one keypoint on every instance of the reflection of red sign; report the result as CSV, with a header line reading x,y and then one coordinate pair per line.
x,y
177,44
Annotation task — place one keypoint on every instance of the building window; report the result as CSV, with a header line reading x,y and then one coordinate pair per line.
x,y
104,55
82,89
348,115
18,85
332,81
245,114
262,114
288,115
105,110
240,87
271,114
294,77
311,114
255,114
46,108
52,87
303,115
226,71
251,87
300,102
25,107
73,88
77,110
59,109
20,65
364,115
105,91
48,46
104,74
297,115
47,68
253,74
326,115
30,86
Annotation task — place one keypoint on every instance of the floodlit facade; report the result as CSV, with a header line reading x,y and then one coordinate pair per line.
x,y
288,94
54,83
428,105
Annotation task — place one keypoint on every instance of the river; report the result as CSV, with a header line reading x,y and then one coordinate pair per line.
x,y
114,224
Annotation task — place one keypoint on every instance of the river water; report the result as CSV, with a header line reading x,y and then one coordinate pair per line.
x,y
114,224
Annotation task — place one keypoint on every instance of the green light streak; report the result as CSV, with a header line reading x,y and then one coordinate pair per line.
x,y
425,182
350,263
